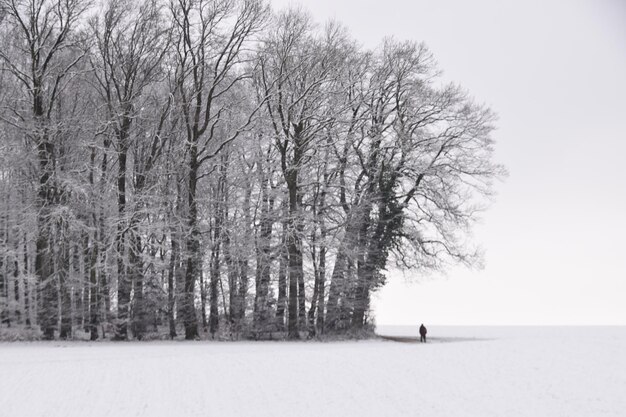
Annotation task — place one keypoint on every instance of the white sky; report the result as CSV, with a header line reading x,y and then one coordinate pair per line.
x,y
555,72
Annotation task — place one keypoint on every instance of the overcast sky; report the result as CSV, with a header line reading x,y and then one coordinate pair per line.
x,y
555,72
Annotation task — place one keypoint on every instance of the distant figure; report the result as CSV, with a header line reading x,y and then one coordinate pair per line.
x,y
423,332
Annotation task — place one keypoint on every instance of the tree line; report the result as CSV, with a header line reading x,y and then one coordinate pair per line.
x,y
216,166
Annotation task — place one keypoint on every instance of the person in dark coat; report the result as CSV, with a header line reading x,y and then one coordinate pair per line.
x,y
423,332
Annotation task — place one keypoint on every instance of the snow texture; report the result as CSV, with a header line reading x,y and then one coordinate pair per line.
x,y
467,371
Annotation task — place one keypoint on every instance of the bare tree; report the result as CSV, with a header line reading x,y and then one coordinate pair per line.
x,y
48,50
131,43
417,134
299,71
210,40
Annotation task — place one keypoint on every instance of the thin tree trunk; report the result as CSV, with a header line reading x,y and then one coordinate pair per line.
x,y
243,267
214,294
363,272
48,294
28,311
171,295
242,293
295,265
65,298
263,261
220,207
104,293
85,269
93,290
192,249
124,283
321,290
203,302
139,319
282,273
317,302
312,308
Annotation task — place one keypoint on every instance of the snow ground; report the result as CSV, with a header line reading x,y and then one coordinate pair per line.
x,y
466,371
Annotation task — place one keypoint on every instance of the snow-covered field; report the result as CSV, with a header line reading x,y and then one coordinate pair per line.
x,y
466,371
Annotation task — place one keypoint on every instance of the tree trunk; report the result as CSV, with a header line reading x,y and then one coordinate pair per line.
x,y
93,290
103,290
263,261
232,273
171,295
28,310
363,270
139,320
48,293
124,283
295,266
84,270
317,302
220,213
214,291
243,267
192,249
316,273
321,290
242,290
203,302
62,268
340,279
337,282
